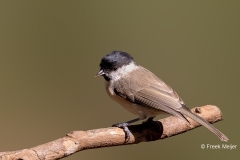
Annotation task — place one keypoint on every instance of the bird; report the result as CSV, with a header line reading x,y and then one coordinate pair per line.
x,y
142,93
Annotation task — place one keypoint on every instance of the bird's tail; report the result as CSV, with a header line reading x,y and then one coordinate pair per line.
x,y
203,122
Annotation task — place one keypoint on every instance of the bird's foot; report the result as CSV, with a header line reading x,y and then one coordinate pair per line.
x,y
120,125
124,126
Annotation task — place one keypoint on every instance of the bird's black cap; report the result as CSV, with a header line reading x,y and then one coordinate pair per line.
x,y
115,60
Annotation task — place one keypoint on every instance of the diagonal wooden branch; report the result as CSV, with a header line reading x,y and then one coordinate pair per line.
x,y
113,136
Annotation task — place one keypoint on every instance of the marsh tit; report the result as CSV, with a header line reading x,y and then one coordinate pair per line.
x,y
142,93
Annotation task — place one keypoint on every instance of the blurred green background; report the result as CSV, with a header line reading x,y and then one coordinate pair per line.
x,y
50,52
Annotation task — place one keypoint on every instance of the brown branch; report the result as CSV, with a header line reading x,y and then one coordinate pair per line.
x,y
112,136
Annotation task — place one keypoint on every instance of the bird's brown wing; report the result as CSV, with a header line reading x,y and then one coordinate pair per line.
x,y
148,90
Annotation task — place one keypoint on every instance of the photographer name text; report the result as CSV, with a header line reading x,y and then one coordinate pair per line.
x,y
219,146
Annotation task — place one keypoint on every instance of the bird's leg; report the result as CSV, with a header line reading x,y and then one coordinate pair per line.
x,y
124,126
156,124
150,119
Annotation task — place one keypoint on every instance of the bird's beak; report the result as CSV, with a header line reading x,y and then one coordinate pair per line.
x,y
100,73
